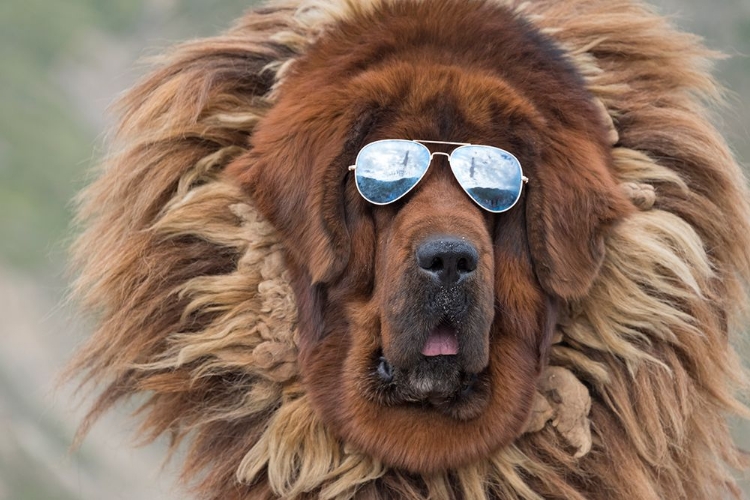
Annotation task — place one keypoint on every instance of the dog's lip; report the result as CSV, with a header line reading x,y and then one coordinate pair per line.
x,y
441,341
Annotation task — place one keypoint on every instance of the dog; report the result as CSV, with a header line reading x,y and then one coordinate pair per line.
x,y
402,249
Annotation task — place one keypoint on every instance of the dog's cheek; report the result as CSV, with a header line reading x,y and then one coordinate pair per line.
x,y
395,294
323,309
520,297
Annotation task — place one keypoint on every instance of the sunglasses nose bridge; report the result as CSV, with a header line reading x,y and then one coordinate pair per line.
x,y
433,154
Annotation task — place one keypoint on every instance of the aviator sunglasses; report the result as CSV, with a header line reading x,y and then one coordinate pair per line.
x,y
385,171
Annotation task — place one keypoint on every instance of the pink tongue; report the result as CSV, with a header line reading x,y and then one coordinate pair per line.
x,y
441,342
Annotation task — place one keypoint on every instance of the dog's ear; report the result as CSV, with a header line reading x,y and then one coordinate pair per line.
x,y
572,201
296,171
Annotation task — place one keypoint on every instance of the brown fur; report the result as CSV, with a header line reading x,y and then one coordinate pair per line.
x,y
242,283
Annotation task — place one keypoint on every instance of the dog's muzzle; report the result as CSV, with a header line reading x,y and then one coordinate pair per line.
x,y
441,323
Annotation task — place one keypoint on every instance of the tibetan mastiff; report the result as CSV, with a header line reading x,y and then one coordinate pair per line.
x,y
425,249
425,321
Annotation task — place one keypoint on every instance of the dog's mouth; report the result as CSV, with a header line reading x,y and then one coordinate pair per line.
x,y
441,341
435,381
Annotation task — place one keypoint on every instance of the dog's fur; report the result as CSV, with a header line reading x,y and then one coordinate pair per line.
x,y
244,285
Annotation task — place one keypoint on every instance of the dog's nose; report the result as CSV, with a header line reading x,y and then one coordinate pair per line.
x,y
447,259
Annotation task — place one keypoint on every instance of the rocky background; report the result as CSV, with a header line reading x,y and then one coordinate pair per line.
x,y
61,64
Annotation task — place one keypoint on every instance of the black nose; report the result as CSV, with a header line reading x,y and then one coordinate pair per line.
x,y
448,259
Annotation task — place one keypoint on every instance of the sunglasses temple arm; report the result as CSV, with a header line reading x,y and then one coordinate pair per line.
x,y
352,168
523,177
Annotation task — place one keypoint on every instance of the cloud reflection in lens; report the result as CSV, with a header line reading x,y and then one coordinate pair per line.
x,y
490,176
387,170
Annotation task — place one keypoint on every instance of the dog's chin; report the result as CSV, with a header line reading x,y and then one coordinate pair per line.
x,y
432,384
435,377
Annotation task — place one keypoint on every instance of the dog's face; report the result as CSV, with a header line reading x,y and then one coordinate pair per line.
x,y
424,323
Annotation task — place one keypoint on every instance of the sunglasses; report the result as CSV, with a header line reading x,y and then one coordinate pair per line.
x,y
385,171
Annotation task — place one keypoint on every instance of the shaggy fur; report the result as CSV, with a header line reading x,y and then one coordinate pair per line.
x,y
193,287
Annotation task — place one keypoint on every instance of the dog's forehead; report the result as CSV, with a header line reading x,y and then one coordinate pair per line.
x,y
469,65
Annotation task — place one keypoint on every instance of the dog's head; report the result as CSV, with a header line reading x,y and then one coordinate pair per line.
x,y
424,323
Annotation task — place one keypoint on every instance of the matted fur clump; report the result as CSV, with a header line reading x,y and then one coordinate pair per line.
x,y
193,292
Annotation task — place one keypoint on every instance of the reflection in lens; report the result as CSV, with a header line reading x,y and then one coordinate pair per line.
x,y
387,170
490,176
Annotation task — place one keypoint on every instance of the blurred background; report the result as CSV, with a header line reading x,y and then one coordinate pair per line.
x,y
61,64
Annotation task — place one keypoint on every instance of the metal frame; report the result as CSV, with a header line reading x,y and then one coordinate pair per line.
x,y
460,145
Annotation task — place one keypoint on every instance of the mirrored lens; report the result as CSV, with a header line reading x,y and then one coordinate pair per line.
x,y
387,170
490,176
